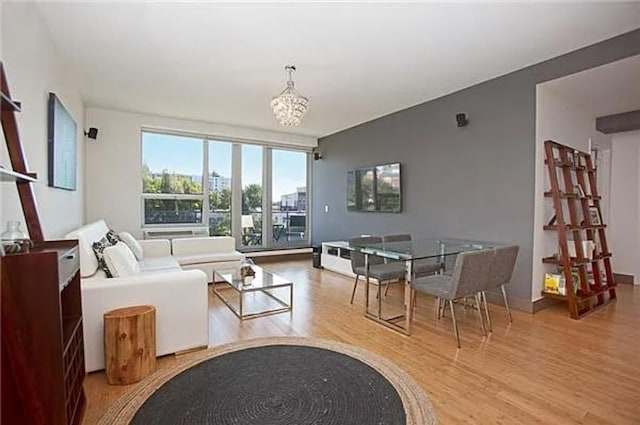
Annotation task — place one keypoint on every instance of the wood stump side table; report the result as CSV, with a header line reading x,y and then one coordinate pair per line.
x,y
129,344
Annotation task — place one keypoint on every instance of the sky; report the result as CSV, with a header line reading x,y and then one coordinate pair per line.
x,y
184,155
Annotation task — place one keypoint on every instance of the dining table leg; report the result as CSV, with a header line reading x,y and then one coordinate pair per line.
x,y
366,284
408,301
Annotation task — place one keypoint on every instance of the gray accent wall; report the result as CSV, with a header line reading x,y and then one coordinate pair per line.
x,y
473,182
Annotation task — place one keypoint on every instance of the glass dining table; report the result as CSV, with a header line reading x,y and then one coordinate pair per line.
x,y
441,251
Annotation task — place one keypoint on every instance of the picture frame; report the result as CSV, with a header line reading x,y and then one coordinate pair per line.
x,y
61,145
594,216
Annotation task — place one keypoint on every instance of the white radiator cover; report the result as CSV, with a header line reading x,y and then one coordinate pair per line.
x,y
175,232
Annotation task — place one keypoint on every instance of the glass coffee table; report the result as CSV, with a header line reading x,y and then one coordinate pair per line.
x,y
264,285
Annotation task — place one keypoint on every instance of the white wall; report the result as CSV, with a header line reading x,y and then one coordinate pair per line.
x,y
34,69
624,233
114,160
566,123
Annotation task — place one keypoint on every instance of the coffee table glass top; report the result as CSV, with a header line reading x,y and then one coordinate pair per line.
x,y
262,280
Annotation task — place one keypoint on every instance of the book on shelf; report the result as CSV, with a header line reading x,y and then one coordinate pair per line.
x,y
554,284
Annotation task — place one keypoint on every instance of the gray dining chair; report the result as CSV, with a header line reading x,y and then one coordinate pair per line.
x,y
378,269
502,266
421,267
469,278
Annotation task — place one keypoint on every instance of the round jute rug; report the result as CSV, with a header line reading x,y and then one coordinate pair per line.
x,y
276,381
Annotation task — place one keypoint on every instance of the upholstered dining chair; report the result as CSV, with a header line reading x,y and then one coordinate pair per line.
x,y
421,267
470,276
502,267
378,269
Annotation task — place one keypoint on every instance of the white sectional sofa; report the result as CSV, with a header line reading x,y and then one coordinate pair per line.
x,y
206,254
179,296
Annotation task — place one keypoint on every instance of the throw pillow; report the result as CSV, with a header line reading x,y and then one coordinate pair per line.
x,y
121,261
112,237
98,250
133,245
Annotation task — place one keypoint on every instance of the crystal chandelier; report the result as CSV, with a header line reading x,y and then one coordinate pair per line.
x,y
289,106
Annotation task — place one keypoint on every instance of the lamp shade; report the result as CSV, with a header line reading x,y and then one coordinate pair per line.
x,y
247,221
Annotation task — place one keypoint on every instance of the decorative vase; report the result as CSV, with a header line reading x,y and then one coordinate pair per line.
x,y
246,271
13,233
14,239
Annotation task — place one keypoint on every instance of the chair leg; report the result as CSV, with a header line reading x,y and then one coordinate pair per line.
x,y
483,296
412,304
479,308
506,303
355,286
387,288
444,308
438,308
455,324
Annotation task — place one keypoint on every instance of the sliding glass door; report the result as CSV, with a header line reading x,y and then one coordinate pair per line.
x,y
219,188
252,189
289,197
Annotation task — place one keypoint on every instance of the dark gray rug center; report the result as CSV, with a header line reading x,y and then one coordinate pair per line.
x,y
276,385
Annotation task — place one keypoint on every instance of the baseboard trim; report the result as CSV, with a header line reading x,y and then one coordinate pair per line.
x,y
544,302
515,303
626,279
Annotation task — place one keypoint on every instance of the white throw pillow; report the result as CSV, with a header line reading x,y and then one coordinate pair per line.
x,y
133,244
121,261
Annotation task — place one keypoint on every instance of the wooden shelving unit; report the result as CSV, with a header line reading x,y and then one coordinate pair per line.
x,y
42,341
41,320
594,287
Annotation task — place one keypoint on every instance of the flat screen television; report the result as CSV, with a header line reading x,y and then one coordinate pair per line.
x,y
62,146
375,189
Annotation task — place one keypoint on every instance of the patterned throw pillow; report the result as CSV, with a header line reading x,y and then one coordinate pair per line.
x,y
112,237
98,250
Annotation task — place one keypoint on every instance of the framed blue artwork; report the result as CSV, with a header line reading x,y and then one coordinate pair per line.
x,y
62,146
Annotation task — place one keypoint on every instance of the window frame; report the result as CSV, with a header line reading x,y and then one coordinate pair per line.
x,y
236,189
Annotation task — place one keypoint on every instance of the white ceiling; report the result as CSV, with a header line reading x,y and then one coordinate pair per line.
x,y
224,62
605,90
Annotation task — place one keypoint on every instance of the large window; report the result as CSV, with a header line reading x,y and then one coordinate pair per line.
x,y
219,171
172,179
189,181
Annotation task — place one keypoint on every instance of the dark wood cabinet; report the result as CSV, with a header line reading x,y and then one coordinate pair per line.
x,y
42,344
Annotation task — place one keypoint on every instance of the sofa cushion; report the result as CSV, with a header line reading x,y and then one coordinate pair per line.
x,y
196,246
121,261
158,264
98,251
133,245
86,236
209,258
112,237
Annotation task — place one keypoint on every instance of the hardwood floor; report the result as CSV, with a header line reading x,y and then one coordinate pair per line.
x,y
541,369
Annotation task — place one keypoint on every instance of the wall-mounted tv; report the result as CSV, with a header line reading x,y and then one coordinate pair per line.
x,y
375,189
62,145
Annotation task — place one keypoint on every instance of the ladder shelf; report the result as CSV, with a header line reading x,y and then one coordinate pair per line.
x,y
578,217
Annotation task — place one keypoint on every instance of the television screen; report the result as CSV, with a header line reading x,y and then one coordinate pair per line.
x,y
375,189
62,145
